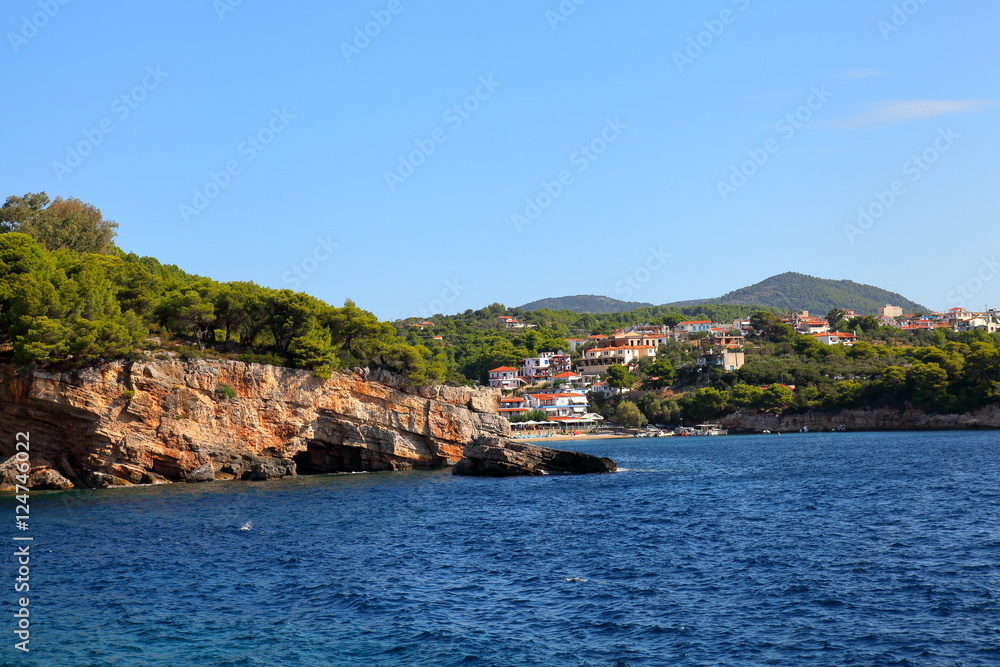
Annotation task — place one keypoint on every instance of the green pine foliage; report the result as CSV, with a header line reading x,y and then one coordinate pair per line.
x,y
70,298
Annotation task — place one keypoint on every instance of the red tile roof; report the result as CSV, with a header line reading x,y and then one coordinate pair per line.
x,y
502,369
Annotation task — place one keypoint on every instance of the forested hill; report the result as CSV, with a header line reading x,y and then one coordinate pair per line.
x,y
797,291
69,297
586,303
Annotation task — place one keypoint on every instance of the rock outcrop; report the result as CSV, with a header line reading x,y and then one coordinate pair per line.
x,y
493,457
168,420
876,419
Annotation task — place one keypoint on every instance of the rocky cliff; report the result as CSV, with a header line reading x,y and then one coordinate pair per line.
x,y
171,420
881,419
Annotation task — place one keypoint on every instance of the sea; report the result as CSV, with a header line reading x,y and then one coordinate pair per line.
x,y
792,549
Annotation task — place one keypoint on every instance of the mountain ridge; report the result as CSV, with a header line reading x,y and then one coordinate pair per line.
x,y
791,290
585,303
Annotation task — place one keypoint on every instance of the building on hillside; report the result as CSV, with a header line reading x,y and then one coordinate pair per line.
x,y
836,338
561,404
514,323
978,323
512,406
505,378
602,389
958,314
544,366
694,326
568,379
645,335
723,339
741,325
597,360
889,312
812,326
575,343
729,360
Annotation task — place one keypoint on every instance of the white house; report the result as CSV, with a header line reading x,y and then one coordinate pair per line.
x,y
836,338
597,360
694,326
563,404
505,377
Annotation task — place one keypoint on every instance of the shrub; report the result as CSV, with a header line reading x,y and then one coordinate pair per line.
x,y
225,392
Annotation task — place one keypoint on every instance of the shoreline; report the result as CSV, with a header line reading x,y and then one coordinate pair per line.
x,y
582,436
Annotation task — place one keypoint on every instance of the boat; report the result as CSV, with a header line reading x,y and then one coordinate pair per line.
x,y
710,429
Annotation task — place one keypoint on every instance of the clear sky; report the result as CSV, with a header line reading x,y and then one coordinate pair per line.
x,y
647,151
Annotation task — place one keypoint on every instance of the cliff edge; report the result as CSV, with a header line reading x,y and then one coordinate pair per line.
x,y
168,420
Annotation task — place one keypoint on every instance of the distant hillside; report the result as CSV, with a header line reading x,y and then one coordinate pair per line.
x,y
797,291
585,303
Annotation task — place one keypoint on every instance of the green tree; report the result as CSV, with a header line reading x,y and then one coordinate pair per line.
x,y
531,416
746,396
776,397
628,415
659,374
619,377
705,403
63,223
672,319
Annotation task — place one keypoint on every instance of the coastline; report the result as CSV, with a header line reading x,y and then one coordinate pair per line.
x,y
582,436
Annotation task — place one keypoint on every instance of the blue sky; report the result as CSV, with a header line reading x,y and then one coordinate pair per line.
x,y
646,151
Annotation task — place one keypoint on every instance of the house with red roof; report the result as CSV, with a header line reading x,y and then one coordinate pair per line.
x,y
596,361
566,405
505,377
513,405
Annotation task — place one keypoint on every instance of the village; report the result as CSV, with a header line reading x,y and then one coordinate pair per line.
x,y
558,383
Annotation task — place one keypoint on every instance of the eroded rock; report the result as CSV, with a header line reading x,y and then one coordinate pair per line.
x,y
171,423
494,457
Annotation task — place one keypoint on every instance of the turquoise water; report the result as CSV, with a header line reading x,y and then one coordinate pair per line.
x,y
808,549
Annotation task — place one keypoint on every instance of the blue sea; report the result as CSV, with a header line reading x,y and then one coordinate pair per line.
x,y
801,549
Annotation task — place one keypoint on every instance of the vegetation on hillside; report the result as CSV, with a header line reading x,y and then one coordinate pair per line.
x,y
69,297
585,303
935,371
797,291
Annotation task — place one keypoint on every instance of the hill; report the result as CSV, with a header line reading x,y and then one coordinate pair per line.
x,y
586,303
797,291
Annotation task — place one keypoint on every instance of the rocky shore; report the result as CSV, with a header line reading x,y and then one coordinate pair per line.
x,y
163,421
880,419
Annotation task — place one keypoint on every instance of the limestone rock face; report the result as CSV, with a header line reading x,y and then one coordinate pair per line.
x,y
492,457
163,421
881,419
